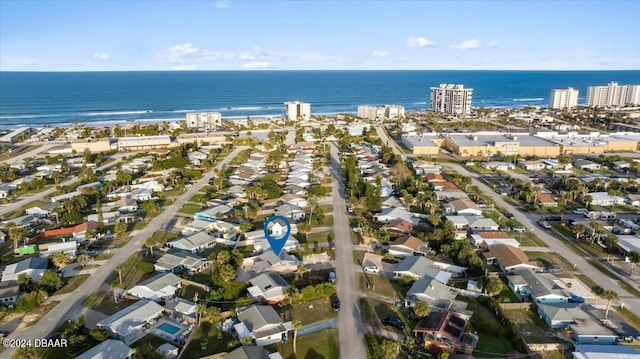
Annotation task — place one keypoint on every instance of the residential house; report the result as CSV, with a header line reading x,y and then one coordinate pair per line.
x,y
294,200
270,262
435,180
407,245
592,331
621,166
290,211
462,207
194,243
153,186
214,213
177,305
5,191
561,315
389,214
80,231
160,286
251,352
226,232
537,287
108,218
605,199
196,157
37,212
176,262
474,223
633,200
130,323
599,351
108,349
547,199
195,226
625,226
417,267
70,248
33,267
123,205
168,351
532,165
509,258
263,324
431,291
237,191
498,166
586,165
553,164
422,167
445,330
486,239
9,293
268,287
23,221
399,226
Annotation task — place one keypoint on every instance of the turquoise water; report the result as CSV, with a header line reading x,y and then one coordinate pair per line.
x,y
37,98
168,328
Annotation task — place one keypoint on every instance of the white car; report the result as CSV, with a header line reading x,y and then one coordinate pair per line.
x,y
371,269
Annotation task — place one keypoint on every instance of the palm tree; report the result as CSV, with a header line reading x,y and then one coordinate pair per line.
x,y
578,230
296,325
16,233
120,268
634,258
597,291
610,295
597,229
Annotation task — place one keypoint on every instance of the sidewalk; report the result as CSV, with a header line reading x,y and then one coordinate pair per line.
x,y
312,328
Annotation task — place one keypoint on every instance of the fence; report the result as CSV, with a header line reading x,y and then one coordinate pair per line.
x,y
545,347
514,306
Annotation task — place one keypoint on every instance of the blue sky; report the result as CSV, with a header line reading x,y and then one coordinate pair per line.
x,y
298,35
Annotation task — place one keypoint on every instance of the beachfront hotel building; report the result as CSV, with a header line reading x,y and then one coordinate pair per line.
x,y
563,98
381,112
296,110
204,121
451,99
613,95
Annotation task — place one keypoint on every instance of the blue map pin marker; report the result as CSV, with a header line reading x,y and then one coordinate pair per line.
x,y
277,237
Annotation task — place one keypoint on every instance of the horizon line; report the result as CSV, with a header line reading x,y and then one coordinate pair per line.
x,y
317,70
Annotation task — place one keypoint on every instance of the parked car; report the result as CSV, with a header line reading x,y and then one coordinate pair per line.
x,y
580,211
545,225
332,277
553,218
349,209
390,260
510,215
335,303
394,322
372,269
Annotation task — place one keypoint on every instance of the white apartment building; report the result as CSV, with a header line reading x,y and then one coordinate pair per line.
x,y
613,95
378,113
204,121
563,98
451,99
294,110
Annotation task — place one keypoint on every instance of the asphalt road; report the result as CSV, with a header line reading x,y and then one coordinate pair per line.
x,y
41,195
72,306
350,328
632,303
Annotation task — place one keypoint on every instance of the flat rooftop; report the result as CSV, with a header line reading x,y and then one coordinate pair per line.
x,y
490,138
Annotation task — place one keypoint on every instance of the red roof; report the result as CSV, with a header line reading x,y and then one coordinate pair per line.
x,y
434,177
408,241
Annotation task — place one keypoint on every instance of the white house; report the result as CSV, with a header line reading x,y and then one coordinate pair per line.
x,y
263,324
160,286
605,199
462,207
108,349
33,267
130,323
194,243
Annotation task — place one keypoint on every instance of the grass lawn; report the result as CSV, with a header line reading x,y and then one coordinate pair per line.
x,y
506,295
104,303
149,339
322,344
533,329
528,239
189,291
217,342
199,197
20,210
358,257
382,285
549,259
629,317
374,310
307,313
161,236
327,208
104,256
72,284
492,344
488,343
320,237
189,208
172,193
132,274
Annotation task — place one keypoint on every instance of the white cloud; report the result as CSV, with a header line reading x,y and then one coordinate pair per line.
x,y
492,44
466,45
183,67
257,65
419,42
178,53
102,56
223,4
380,53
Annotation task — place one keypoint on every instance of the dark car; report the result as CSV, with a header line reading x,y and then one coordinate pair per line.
x,y
553,218
510,215
390,260
394,322
335,303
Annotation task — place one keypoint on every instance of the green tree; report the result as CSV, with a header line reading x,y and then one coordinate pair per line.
x,y
609,295
493,285
120,228
598,291
51,281
83,260
421,309
389,349
61,259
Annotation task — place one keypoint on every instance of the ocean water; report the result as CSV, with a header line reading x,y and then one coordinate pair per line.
x,y
38,98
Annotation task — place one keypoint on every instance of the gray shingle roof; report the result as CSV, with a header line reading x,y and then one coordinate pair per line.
x,y
248,352
258,316
159,281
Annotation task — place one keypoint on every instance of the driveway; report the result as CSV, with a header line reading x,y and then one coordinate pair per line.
x,y
350,326
72,307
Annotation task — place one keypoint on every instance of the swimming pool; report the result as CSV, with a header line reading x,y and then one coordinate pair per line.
x,y
168,328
